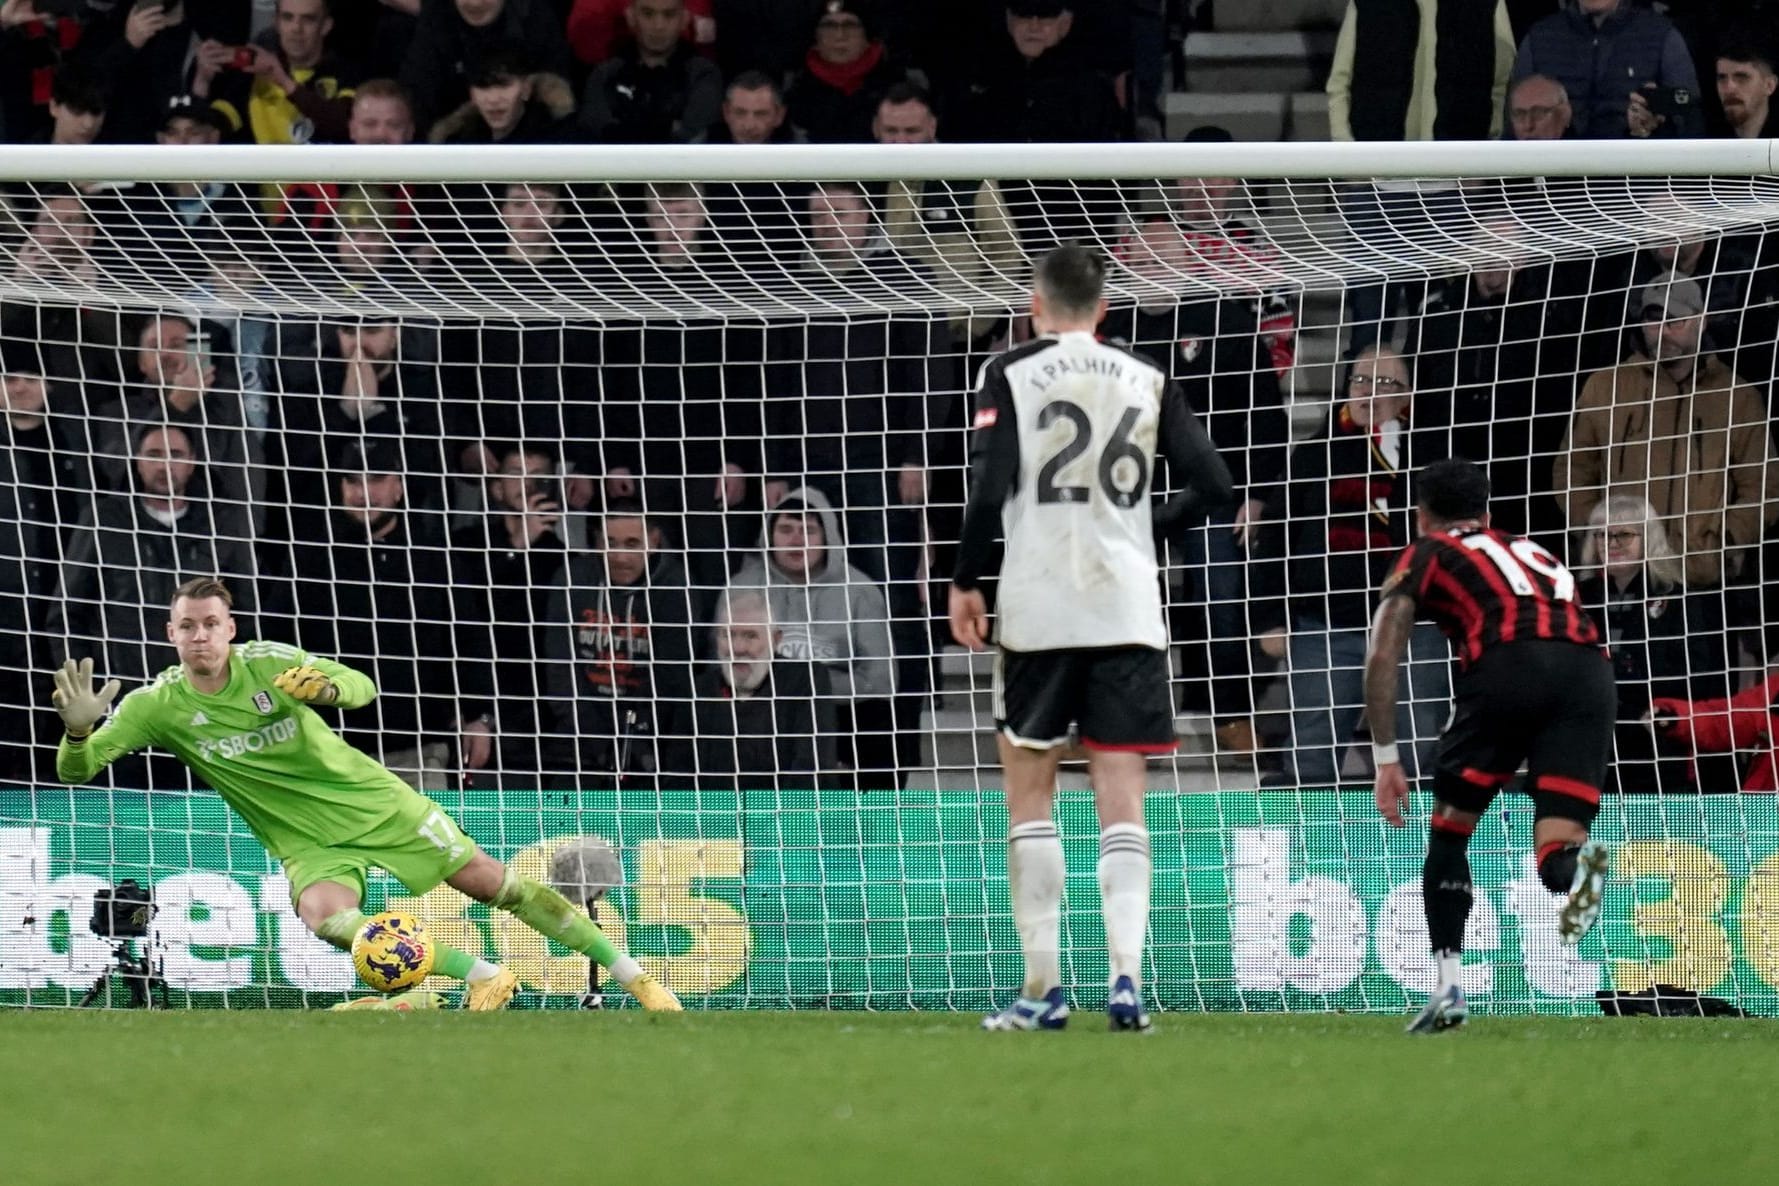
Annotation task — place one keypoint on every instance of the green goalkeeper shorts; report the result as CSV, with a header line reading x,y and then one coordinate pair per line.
x,y
419,846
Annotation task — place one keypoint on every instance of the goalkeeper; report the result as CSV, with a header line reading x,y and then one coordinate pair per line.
x,y
242,718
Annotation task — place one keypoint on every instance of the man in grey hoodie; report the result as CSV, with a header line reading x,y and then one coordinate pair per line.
x,y
834,615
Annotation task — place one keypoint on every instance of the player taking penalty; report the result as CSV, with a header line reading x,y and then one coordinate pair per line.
x,y
1534,686
1067,431
243,719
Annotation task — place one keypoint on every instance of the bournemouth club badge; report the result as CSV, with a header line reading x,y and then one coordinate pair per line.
x,y
262,701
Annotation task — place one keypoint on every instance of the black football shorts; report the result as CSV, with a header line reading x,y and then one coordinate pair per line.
x,y
1119,696
1548,704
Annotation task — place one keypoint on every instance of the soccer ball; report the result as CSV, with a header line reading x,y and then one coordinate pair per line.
x,y
391,951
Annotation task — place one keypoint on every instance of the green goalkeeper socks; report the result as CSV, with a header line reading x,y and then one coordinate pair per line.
x,y
552,916
338,930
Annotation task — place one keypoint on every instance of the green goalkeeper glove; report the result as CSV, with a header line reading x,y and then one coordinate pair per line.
x,y
74,698
306,684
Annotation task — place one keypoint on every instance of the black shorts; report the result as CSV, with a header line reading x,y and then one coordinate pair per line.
x,y
1118,695
1548,704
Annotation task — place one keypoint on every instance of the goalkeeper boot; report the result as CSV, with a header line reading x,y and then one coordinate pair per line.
x,y
1048,1012
1124,1007
652,995
491,992
1582,910
1445,1010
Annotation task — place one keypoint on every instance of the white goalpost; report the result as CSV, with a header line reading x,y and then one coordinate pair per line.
x,y
633,477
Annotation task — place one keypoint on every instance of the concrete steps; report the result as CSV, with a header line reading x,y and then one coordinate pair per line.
x,y
1258,62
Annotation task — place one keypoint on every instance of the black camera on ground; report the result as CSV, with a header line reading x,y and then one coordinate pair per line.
x,y
122,911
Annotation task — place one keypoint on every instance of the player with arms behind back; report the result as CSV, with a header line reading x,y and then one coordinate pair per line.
x,y
1534,685
1067,431
243,719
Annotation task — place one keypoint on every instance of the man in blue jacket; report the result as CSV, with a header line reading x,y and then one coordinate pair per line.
x,y
1626,69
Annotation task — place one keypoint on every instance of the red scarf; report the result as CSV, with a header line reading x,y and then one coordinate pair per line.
x,y
847,78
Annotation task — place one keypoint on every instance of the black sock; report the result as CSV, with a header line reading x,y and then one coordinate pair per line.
x,y
1445,889
1556,866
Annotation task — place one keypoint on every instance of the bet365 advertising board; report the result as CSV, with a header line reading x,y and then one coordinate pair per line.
x,y
1276,900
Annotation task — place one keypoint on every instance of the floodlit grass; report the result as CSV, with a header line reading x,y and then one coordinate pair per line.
x,y
268,1099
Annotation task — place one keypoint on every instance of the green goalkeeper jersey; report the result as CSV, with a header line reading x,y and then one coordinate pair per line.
x,y
272,758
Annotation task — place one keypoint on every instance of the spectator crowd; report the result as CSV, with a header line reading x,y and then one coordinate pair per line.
x,y
689,548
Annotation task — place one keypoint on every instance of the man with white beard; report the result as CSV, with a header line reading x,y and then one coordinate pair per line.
x,y
755,721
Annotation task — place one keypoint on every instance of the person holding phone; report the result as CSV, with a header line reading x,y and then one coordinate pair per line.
x,y
289,88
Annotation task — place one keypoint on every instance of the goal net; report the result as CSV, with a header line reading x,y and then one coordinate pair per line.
x,y
634,481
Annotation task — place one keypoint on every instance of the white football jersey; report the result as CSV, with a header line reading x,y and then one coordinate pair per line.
x,y
1080,567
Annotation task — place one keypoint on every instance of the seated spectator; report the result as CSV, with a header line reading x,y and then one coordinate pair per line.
x,y
62,248
1040,86
369,249
834,97
292,91
619,645
61,240
134,548
451,36
381,115
370,585
754,220
1216,241
77,105
833,615
102,41
1745,85
363,384
1716,494
510,104
596,27
1741,296
182,381
1623,66
754,112
144,54
961,230
1538,109
1398,79
1037,86
1745,726
756,721
1665,643
1348,512
655,89
505,569
168,230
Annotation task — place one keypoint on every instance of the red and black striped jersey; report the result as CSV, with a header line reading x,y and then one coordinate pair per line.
x,y
1483,588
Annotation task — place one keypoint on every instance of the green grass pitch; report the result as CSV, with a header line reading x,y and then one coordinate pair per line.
x,y
270,1099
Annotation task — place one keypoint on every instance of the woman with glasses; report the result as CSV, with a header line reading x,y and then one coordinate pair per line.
x,y
1346,506
1665,642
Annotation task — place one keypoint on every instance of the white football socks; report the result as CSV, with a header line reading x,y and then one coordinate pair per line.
x,y
1035,882
481,971
1451,966
624,969
1124,895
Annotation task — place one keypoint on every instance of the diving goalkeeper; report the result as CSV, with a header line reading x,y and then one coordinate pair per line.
x,y
242,718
